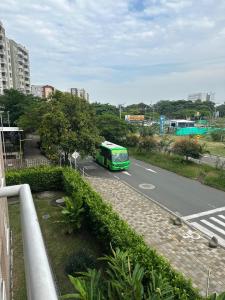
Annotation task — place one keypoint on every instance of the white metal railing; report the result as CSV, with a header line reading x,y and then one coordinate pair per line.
x,y
39,279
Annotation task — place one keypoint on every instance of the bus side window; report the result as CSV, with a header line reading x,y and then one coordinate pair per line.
x,y
108,154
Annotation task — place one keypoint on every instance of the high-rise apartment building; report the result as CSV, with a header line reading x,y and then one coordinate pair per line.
x,y
14,65
79,93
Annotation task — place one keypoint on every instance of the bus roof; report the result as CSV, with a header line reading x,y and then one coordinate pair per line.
x,y
110,145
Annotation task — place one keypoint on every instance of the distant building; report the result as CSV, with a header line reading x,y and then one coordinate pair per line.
x,y
48,90
79,93
37,90
201,96
42,91
14,65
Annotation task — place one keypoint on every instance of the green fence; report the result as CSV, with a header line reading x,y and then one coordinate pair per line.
x,y
196,130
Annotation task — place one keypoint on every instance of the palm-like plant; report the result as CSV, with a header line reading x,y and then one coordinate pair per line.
x,y
124,281
121,281
159,288
72,213
87,287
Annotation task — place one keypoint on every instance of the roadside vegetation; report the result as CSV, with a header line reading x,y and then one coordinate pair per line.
x,y
129,268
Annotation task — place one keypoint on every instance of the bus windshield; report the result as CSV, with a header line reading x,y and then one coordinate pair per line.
x,y
119,155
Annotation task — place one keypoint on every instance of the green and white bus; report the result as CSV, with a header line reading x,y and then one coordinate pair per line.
x,y
112,156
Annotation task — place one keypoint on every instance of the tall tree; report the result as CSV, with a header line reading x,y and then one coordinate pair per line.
x,y
112,128
69,126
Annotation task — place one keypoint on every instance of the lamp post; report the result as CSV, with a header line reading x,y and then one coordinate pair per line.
x,y
21,158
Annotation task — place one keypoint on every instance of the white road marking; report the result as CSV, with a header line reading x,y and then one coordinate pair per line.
x,y
116,177
147,169
151,170
147,186
127,173
221,216
208,233
218,221
204,213
213,226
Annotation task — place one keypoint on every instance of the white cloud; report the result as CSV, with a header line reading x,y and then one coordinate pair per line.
x,y
106,46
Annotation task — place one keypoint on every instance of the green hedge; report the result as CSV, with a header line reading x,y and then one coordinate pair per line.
x,y
43,178
106,223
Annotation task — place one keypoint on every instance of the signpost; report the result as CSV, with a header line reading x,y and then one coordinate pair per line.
x,y
162,123
75,155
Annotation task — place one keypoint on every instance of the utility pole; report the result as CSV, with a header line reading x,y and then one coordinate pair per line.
x,y
120,109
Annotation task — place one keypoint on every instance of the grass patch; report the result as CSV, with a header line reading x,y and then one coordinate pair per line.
x,y
215,148
59,245
203,173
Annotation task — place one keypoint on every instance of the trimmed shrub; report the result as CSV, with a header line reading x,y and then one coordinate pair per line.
x,y
44,178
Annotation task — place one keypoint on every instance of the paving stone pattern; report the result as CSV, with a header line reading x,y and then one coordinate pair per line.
x,y
186,249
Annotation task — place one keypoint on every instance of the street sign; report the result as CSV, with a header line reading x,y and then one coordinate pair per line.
x,y
75,155
162,122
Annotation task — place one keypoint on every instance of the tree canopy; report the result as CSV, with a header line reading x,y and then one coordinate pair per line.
x,y
69,125
112,128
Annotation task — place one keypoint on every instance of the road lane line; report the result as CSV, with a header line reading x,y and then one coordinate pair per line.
x,y
218,221
127,173
221,216
208,233
147,169
204,213
218,229
151,170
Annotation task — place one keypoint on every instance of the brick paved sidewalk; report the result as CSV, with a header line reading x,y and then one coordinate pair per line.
x,y
186,249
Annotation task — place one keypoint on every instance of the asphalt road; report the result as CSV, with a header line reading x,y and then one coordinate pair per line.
x,y
179,194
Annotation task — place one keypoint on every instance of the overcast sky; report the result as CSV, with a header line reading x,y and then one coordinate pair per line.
x,y
123,51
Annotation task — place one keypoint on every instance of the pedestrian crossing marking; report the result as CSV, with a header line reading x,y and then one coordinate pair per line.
x,y
222,217
209,233
218,229
218,221
211,223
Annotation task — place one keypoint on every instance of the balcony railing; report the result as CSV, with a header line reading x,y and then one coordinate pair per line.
x,y
39,279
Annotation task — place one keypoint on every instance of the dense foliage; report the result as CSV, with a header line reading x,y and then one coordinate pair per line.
x,y
112,128
69,125
121,280
17,104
